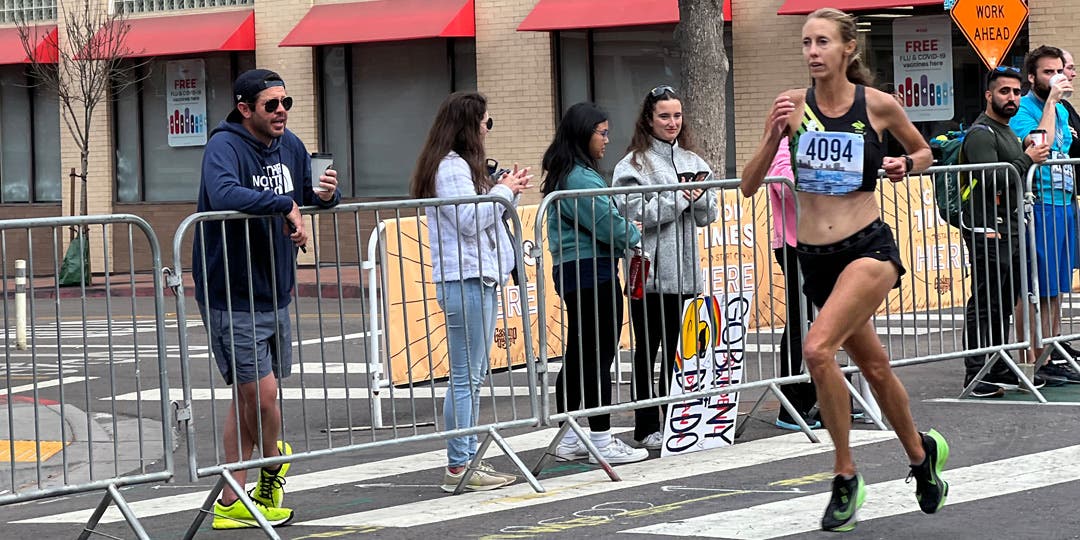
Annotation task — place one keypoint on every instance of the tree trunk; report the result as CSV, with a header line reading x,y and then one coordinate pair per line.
x,y
704,77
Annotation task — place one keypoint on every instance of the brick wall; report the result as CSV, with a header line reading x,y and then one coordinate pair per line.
x,y
767,58
17,245
164,218
513,70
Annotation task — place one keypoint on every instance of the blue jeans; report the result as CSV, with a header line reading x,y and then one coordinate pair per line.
x,y
469,309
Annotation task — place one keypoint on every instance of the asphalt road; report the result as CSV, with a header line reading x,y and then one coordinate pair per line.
x,y
1014,466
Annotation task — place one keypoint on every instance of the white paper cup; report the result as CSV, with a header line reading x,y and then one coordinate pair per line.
x,y
1057,79
320,162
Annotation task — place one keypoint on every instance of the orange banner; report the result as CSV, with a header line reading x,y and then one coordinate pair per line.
x,y
736,257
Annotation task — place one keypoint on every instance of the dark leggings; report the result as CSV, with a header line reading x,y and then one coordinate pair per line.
x,y
801,395
656,326
593,321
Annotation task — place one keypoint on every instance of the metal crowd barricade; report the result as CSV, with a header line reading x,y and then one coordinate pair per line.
x,y
1052,228
744,320
936,297
85,406
332,403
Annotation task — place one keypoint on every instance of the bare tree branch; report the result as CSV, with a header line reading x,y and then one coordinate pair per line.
x,y
88,66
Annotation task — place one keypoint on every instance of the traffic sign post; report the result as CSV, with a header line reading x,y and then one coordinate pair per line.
x,y
991,26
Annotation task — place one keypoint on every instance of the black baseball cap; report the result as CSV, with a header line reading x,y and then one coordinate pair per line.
x,y
247,86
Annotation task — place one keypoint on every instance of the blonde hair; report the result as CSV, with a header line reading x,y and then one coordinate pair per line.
x,y
857,72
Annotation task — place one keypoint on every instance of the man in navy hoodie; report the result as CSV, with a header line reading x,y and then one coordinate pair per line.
x,y
254,165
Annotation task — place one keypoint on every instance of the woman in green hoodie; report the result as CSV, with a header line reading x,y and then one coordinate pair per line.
x,y
587,236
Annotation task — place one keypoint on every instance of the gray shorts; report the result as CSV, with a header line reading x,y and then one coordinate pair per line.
x,y
265,342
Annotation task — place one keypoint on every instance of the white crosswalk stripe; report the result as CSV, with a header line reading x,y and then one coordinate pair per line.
x,y
595,482
884,499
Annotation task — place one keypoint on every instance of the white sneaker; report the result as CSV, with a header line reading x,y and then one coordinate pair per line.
x,y
617,452
654,441
571,452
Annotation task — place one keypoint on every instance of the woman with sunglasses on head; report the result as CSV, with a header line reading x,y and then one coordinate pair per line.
x,y
661,153
587,237
847,255
471,256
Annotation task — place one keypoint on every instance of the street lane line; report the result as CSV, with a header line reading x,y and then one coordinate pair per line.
x,y
56,382
317,393
359,473
595,482
884,499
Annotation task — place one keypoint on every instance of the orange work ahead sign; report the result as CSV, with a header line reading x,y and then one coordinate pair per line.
x,y
990,26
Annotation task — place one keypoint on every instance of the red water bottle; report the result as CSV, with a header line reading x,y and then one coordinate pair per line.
x,y
639,273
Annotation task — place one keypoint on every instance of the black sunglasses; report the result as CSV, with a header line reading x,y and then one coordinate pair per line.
x,y
271,105
1003,69
659,91
490,123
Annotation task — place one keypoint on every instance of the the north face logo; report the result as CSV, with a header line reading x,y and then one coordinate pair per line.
x,y
277,179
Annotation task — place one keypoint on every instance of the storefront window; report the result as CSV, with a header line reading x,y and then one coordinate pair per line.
x,y
963,84
150,167
29,139
616,68
377,101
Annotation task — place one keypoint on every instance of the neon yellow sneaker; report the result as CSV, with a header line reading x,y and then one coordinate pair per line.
x,y
237,516
270,489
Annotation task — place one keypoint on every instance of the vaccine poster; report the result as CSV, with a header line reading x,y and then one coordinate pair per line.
x,y
922,67
185,85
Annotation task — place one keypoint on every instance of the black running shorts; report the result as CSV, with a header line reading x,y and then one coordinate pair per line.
x,y
821,265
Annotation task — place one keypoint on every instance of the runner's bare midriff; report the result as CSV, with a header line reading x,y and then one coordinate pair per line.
x,y
827,219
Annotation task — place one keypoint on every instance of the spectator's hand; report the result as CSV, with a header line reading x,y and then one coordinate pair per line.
x,y
517,180
1038,152
1060,88
693,195
327,182
294,227
895,168
777,124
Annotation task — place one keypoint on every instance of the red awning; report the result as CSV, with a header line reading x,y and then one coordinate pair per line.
x,y
188,34
382,20
44,38
551,15
803,7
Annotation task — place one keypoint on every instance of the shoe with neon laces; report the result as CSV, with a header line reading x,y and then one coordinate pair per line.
x,y
848,495
270,489
930,489
237,516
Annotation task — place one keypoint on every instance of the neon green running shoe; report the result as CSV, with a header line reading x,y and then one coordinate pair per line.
x,y
237,516
847,496
270,489
930,489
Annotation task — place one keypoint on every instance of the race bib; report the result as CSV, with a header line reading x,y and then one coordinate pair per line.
x,y
1061,175
829,162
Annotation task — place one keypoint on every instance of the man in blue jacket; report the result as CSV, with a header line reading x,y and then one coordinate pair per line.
x,y
253,164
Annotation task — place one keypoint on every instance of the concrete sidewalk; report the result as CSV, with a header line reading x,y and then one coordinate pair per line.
x,y
311,282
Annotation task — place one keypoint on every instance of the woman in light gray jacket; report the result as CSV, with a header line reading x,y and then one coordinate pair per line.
x,y
661,153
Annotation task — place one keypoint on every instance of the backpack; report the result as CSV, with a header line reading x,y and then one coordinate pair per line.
x,y
951,190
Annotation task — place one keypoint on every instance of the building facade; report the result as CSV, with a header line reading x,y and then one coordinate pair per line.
x,y
368,76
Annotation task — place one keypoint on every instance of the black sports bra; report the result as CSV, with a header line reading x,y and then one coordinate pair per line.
x,y
836,156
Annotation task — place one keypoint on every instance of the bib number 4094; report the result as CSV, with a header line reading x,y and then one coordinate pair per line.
x,y
829,149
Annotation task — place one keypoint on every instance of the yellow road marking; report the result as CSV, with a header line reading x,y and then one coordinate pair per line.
x,y
26,451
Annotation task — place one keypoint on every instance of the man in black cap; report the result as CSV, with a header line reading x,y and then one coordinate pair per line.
x,y
253,164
